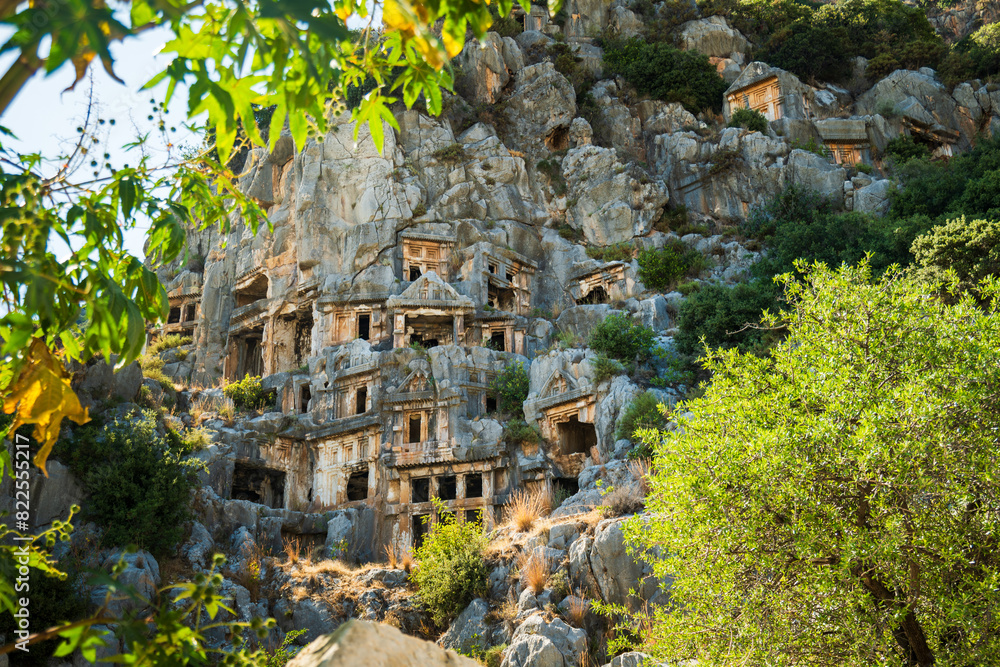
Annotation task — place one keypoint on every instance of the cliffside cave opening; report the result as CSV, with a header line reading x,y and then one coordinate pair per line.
x,y
594,296
304,397
357,486
175,315
576,437
500,298
255,291
258,484
498,341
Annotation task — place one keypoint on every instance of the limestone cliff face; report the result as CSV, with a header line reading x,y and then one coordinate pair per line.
x,y
395,282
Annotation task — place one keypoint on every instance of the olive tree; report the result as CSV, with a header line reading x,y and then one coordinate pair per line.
x,y
836,503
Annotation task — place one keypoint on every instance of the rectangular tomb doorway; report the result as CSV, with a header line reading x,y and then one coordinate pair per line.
x,y
420,528
357,486
576,437
259,485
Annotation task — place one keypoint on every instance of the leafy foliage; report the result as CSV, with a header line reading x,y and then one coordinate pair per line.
x,y
665,72
750,119
841,487
606,368
452,571
642,412
138,483
248,394
903,148
510,386
167,343
518,432
727,317
661,267
818,41
621,337
54,600
969,249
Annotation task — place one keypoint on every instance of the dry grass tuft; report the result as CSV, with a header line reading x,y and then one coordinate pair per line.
x,y
407,562
524,509
640,472
293,549
623,499
390,556
534,571
577,608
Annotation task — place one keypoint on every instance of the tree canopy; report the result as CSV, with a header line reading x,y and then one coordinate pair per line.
x,y
834,503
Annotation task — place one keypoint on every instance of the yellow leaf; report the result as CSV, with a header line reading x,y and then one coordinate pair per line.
x,y
81,62
42,396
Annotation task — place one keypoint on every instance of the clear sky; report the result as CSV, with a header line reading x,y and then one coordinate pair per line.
x,y
45,118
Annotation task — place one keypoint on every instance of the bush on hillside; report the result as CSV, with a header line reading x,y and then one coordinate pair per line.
x,y
750,119
643,412
661,267
726,317
510,387
452,571
667,73
248,394
902,149
621,337
138,484
970,249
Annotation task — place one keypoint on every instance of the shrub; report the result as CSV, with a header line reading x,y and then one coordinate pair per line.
x,y
667,73
138,484
53,602
167,343
623,499
535,571
519,432
248,394
606,368
569,233
643,412
450,154
510,386
970,249
621,337
152,368
903,148
724,317
505,26
452,571
750,119
661,267
618,252
553,170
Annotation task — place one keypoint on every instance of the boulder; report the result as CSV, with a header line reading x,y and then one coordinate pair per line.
x,y
713,37
532,651
631,659
540,108
612,203
484,70
353,528
570,642
873,198
811,171
141,573
469,632
616,571
364,643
